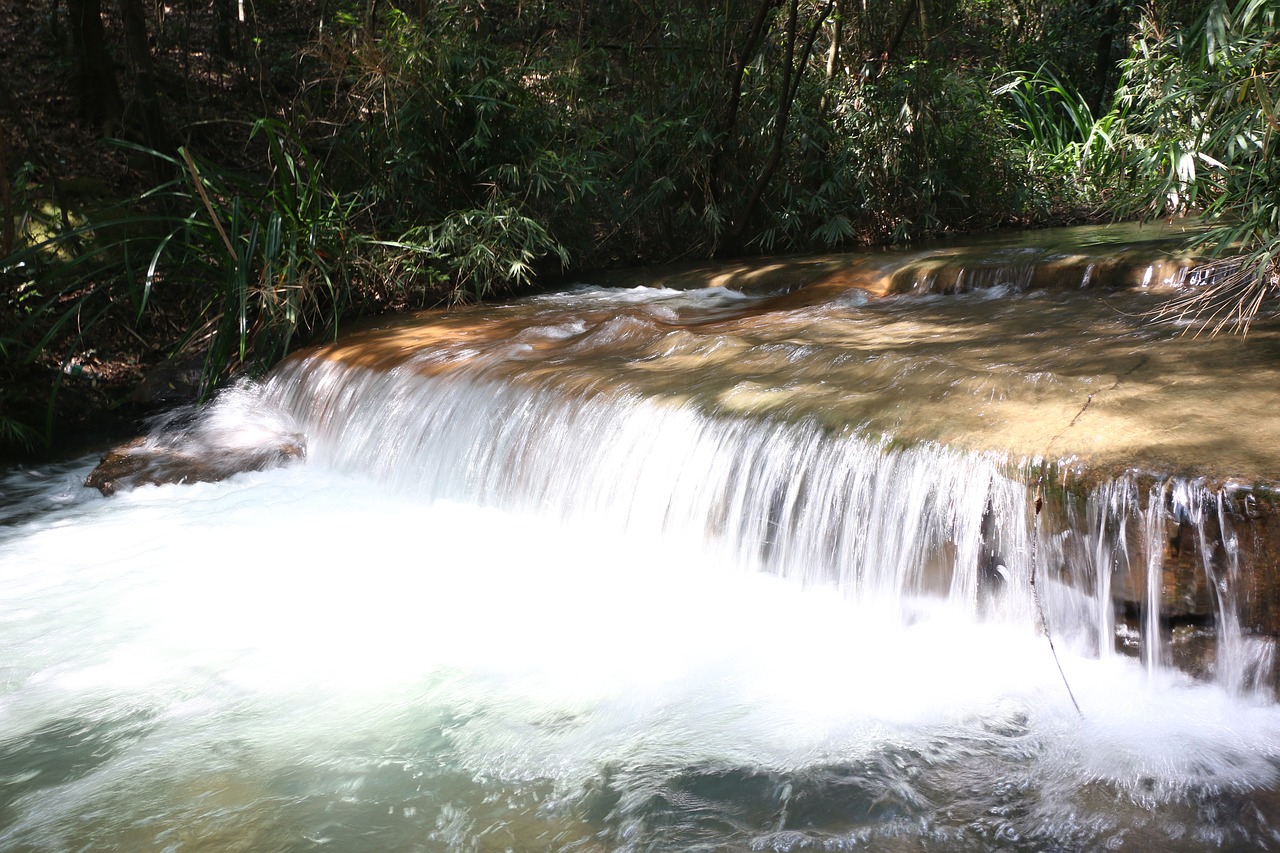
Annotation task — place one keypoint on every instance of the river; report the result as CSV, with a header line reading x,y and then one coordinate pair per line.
x,y
639,568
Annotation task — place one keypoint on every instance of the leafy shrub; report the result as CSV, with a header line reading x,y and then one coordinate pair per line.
x,y
235,265
454,150
1201,136
1065,145
920,151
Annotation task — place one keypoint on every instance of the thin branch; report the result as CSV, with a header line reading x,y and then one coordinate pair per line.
x,y
217,223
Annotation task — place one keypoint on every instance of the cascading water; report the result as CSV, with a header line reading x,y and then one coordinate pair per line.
x,y
1153,553
644,570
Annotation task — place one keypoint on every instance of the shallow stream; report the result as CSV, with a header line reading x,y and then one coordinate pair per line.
x,y
639,569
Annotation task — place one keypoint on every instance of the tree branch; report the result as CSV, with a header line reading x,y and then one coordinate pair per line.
x,y
725,127
791,76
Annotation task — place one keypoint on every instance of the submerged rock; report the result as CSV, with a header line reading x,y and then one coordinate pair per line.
x,y
148,462
232,435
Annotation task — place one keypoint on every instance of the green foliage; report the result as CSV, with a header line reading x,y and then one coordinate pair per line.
x,y
1056,119
14,432
238,265
453,150
1201,137
1065,145
440,152
267,255
619,143
921,150
496,243
73,268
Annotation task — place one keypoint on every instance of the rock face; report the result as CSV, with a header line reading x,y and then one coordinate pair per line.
x,y
1228,551
189,458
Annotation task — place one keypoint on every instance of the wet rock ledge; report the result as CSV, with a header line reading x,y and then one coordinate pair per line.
x,y
192,457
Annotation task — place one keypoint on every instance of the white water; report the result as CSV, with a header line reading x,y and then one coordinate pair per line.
x,y
489,616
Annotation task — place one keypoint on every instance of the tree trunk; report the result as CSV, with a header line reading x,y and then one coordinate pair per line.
x,y
909,12
833,59
95,77
224,14
138,49
725,127
7,236
792,71
1104,69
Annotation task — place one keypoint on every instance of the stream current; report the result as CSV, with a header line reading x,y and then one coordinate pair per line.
x,y
644,569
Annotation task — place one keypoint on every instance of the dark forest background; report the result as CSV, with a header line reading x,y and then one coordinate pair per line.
x,y
192,188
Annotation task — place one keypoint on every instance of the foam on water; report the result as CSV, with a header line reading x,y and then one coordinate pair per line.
x,y
247,657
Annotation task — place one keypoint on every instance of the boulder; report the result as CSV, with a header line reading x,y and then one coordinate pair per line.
x,y
189,458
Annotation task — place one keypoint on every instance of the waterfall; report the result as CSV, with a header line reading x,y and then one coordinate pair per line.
x,y
791,498
889,526
1153,544
647,570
